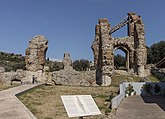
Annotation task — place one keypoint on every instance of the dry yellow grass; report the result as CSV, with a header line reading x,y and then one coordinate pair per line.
x,y
117,79
45,102
4,86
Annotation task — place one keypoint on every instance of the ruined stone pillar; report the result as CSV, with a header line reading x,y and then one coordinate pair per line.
x,y
136,30
35,59
140,51
127,61
67,62
103,53
107,52
36,53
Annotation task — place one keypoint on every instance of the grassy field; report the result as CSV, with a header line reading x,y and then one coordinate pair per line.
x,y
117,79
4,87
45,102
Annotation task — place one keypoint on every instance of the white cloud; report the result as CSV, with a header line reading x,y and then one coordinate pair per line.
x,y
54,59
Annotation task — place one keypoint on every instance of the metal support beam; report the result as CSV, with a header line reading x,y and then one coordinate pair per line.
x,y
125,21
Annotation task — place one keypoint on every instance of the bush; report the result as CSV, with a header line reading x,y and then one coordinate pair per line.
x,y
157,89
147,88
156,52
54,66
81,65
129,89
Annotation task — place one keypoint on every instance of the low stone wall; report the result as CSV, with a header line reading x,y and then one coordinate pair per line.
x,y
20,75
72,77
118,99
67,76
6,77
159,73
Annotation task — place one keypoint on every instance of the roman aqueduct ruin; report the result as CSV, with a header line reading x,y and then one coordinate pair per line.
x,y
103,48
133,45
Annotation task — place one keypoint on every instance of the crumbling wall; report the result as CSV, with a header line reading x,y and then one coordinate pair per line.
x,y
35,58
69,76
36,53
7,77
133,45
74,78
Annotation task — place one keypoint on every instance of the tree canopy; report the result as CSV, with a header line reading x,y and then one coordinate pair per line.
x,y
81,65
119,61
156,52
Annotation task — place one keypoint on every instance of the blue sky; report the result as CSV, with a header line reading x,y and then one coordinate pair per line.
x,y
69,25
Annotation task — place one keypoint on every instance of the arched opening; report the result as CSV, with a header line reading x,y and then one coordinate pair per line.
x,y
121,59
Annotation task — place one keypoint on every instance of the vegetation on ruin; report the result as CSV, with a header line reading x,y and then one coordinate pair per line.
x,y
45,102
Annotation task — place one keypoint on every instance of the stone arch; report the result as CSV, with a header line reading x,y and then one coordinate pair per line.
x,y
133,45
125,45
126,51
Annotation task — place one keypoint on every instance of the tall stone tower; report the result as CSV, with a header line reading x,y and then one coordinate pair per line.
x,y
103,53
36,53
136,30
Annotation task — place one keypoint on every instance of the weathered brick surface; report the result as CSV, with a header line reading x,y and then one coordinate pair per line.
x,y
133,45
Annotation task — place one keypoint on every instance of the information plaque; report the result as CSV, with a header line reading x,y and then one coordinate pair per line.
x,y
80,105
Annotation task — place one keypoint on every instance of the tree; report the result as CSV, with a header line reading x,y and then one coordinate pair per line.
x,y
149,55
54,65
156,52
81,65
119,61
